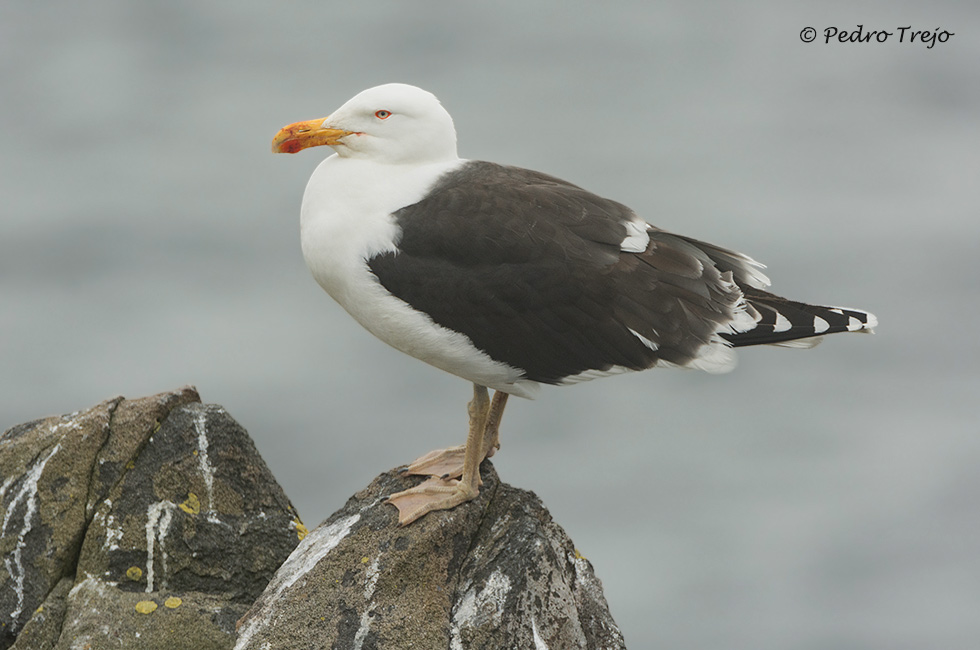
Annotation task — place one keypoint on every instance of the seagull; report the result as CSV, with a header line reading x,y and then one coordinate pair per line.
x,y
511,278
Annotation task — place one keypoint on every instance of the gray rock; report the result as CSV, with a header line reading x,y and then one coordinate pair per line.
x,y
496,573
45,473
153,523
149,523
43,629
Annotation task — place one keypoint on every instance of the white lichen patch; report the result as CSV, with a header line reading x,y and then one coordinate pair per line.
x,y
304,557
87,600
363,630
158,518
584,577
539,643
204,463
113,532
92,593
371,577
479,606
26,496
6,485
68,424
370,582
89,583
83,642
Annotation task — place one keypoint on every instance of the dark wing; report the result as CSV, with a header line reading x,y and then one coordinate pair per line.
x,y
530,268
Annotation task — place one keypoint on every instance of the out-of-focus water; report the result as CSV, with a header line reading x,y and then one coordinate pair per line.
x,y
822,499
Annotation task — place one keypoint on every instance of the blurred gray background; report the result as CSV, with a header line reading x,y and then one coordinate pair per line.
x,y
823,499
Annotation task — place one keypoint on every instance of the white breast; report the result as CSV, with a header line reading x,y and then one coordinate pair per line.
x,y
346,219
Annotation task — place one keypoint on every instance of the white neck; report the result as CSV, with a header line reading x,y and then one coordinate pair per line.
x,y
346,214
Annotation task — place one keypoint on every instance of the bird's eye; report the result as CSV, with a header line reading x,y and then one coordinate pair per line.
x,y
383,114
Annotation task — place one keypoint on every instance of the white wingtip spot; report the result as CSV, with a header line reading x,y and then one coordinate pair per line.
x,y
854,324
782,323
820,325
744,318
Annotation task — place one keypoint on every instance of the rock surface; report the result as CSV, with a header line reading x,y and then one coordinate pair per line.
x,y
496,573
149,523
154,524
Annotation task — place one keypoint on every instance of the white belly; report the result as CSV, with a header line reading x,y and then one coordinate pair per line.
x,y
345,220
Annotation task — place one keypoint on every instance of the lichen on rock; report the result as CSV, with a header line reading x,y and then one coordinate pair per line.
x,y
132,519
494,573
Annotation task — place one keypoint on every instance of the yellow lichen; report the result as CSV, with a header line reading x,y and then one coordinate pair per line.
x,y
365,560
146,607
578,555
192,505
172,603
134,573
301,530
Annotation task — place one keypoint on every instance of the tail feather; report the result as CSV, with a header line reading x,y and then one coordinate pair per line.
x,y
779,321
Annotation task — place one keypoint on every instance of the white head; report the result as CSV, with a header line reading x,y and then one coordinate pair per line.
x,y
393,123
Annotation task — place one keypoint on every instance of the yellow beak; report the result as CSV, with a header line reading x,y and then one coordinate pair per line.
x,y
303,135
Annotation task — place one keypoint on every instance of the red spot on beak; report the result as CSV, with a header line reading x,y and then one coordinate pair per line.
x,y
290,146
